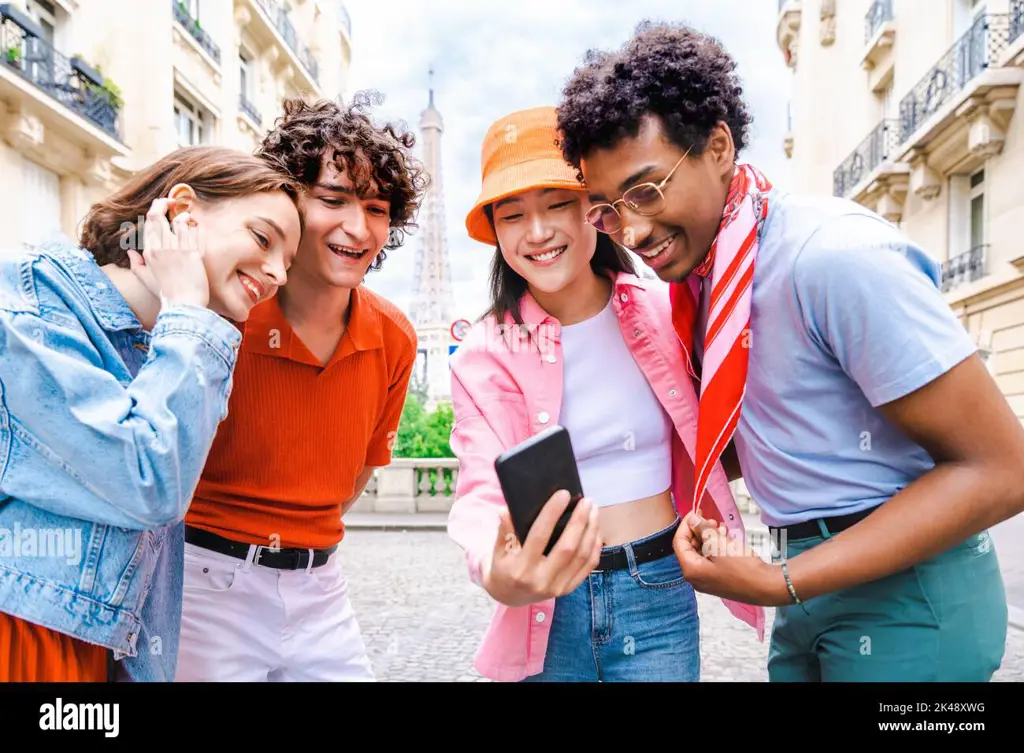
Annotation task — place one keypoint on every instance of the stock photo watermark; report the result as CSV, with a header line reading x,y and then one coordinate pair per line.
x,y
100,717
41,543
768,546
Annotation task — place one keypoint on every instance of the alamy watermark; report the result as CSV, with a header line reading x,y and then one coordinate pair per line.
x,y
27,541
101,717
769,546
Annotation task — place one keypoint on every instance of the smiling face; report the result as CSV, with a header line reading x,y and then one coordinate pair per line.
x,y
544,236
343,232
249,243
676,239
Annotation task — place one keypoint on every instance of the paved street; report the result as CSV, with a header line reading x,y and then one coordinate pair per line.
x,y
1009,538
422,618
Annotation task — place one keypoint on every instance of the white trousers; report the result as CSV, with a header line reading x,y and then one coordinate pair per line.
x,y
247,623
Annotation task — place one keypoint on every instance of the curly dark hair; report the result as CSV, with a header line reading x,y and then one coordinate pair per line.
x,y
367,152
671,71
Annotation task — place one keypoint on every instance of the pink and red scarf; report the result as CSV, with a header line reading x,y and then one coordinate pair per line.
x,y
730,265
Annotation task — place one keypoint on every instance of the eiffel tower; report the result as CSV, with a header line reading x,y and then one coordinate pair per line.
x,y
433,306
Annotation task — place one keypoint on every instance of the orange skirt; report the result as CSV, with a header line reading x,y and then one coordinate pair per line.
x,y
30,653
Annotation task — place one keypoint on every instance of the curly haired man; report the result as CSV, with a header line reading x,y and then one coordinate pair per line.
x,y
320,384
831,374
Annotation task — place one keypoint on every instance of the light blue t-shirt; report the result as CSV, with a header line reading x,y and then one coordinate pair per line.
x,y
847,314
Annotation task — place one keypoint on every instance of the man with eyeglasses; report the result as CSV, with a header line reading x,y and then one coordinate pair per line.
x,y
832,377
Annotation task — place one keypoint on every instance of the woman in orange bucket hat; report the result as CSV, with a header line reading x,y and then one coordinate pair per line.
x,y
572,337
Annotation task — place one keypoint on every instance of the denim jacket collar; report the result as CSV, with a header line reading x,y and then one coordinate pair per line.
x,y
111,309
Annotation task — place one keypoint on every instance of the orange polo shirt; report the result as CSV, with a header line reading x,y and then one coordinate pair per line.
x,y
298,433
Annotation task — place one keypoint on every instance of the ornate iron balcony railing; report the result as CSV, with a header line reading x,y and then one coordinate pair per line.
x,y
869,154
972,54
181,15
249,109
964,268
881,11
280,19
70,81
1016,19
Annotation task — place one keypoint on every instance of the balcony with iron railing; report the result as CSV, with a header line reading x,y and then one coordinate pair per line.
x,y
879,13
247,107
879,39
195,30
863,164
70,81
964,268
971,55
281,20
1014,55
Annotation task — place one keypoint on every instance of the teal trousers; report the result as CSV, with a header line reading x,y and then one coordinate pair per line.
x,y
943,620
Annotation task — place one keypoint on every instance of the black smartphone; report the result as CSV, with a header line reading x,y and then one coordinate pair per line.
x,y
534,470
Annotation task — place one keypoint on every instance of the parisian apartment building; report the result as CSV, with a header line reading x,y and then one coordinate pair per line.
x,y
93,90
910,108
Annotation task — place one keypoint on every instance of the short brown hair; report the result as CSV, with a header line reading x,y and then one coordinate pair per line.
x,y
213,172
365,151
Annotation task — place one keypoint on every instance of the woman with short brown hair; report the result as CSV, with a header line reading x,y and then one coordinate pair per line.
x,y
116,359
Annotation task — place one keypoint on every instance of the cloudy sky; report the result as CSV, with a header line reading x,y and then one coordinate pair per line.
x,y
490,59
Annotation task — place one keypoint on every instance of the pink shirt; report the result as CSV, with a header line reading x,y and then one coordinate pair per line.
x,y
505,390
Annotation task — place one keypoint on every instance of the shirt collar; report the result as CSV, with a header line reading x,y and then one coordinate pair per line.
x,y
534,317
267,332
364,321
108,305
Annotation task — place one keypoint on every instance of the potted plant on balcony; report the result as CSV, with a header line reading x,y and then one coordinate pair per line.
x,y
111,93
13,57
102,88
93,75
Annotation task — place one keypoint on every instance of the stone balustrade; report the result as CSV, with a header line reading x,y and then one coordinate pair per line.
x,y
413,485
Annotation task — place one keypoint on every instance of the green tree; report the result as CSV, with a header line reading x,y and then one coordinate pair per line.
x,y
423,434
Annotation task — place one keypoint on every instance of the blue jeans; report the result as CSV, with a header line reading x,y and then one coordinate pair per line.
x,y
637,624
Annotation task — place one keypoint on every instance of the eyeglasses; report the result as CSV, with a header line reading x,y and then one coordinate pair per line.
x,y
645,199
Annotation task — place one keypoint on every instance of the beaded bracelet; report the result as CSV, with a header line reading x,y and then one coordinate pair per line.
x,y
789,583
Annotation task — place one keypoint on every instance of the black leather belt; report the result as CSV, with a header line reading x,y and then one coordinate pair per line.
x,y
279,559
809,528
654,549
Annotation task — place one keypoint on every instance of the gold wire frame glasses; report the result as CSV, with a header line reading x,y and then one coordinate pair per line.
x,y
645,199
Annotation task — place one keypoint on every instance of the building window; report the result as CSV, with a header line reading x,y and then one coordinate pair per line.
x,y
965,13
190,122
967,258
39,52
977,210
41,202
45,14
888,105
245,76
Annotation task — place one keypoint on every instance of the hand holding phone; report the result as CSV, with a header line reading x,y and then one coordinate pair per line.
x,y
534,470
549,539
520,575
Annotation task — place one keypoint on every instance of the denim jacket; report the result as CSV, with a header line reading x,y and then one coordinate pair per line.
x,y
104,431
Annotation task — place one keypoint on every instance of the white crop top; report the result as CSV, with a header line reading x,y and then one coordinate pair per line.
x,y
621,436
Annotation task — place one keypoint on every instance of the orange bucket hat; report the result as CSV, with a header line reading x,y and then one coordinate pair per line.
x,y
519,154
